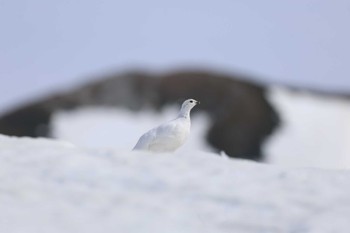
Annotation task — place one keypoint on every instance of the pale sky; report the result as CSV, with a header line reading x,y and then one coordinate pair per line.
x,y
49,45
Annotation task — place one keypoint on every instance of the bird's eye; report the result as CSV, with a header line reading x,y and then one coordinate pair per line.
x,y
191,101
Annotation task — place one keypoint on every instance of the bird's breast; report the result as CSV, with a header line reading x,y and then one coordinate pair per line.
x,y
171,138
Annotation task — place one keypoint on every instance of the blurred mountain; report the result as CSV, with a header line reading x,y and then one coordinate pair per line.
x,y
241,117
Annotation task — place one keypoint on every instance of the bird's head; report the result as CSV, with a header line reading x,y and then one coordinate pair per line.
x,y
188,105
190,102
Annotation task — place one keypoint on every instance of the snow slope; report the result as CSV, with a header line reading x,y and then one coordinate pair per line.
x,y
50,186
315,130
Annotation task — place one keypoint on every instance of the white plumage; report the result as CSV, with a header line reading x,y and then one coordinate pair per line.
x,y
171,135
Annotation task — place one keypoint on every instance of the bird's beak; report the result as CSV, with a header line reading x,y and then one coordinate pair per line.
x,y
198,102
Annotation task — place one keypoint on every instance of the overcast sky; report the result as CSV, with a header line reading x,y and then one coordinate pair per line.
x,y
45,45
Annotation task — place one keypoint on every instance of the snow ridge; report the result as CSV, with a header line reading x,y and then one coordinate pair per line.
x,y
53,186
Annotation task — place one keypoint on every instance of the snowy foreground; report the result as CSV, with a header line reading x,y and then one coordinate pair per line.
x,y
48,186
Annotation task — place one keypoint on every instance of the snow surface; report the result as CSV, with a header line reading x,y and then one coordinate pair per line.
x,y
315,130
49,186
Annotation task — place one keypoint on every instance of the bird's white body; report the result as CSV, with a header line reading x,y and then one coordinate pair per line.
x,y
171,135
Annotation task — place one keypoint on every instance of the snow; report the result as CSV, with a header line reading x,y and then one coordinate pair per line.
x,y
50,186
103,127
315,130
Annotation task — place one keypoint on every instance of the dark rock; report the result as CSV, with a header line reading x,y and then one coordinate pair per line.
x,y
241,117
31,120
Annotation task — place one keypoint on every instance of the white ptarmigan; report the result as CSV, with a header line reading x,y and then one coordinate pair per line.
x,y
171,135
